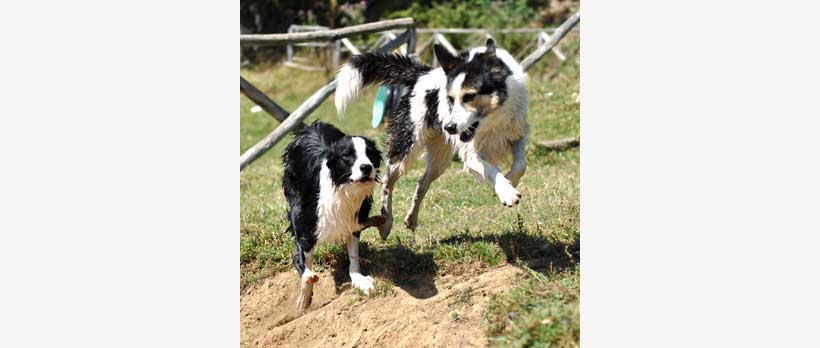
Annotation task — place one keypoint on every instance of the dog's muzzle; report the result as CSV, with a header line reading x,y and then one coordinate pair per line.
x,y
465,135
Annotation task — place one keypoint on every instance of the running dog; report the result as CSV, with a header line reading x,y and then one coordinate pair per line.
x,y
328,183
475,104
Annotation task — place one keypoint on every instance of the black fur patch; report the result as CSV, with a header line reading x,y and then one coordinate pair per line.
x,y
431,117
400,130
364,211
388,68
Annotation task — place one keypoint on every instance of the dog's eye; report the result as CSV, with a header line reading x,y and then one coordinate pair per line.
x,y
468,97
450,99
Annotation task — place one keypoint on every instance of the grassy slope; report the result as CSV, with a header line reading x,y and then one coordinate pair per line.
x,y
462,226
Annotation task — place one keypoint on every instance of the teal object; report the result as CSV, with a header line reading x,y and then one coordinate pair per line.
x,y
379,106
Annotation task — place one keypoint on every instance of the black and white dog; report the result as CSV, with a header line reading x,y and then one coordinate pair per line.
x,y
328,183
475,104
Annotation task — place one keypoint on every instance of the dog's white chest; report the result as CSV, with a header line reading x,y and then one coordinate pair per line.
x,y
337,208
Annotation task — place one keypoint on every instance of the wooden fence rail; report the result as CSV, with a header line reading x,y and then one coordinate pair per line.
x,y
556,37
295,118
324,35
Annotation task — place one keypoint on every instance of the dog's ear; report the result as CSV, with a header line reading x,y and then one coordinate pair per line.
x,y
490,46
447,60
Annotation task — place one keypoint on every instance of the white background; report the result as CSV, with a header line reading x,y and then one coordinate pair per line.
x,y
119,182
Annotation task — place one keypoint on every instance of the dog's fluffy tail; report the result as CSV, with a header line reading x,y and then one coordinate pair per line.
x,y
371,69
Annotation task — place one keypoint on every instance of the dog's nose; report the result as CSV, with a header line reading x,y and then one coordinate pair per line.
x,y
450,128
366,169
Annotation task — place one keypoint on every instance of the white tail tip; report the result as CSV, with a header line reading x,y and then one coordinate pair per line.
x,y
349,82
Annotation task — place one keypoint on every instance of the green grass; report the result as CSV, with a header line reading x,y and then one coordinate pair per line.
x,y
462,225
541,311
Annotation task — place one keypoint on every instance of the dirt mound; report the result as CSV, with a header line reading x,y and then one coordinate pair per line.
x,y
445,313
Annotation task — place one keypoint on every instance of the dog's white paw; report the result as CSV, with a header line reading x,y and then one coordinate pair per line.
x,y
309,277
508,195
363,283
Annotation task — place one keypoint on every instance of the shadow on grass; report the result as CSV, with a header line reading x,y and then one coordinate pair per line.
x,y
415,271
537,252
412,271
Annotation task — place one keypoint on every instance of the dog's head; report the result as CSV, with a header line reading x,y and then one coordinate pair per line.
x,y
476,88
354,160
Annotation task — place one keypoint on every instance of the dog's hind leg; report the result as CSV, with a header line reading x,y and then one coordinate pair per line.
x,y
438,157
393,171
363,283
519,166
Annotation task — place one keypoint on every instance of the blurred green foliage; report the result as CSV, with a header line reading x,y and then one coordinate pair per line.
x,y
483,14
469,14
275,16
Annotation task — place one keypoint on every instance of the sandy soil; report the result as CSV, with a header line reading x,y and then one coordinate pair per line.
x,y
436,313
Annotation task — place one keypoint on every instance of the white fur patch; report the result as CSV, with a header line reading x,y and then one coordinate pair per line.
x,y
461,117
361,159
435,79
362,282
337,207
348,85
457,82
508,195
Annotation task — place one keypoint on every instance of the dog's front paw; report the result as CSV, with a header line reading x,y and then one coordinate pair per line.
x,y
361,282
508,195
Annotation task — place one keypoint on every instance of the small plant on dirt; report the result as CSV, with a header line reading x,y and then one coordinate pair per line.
x,y
463,297
381,288
536,312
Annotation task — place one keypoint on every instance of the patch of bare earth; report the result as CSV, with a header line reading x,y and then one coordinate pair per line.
x,y
443,313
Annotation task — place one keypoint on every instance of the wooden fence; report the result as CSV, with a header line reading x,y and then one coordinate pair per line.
x,y
293,120
332,51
